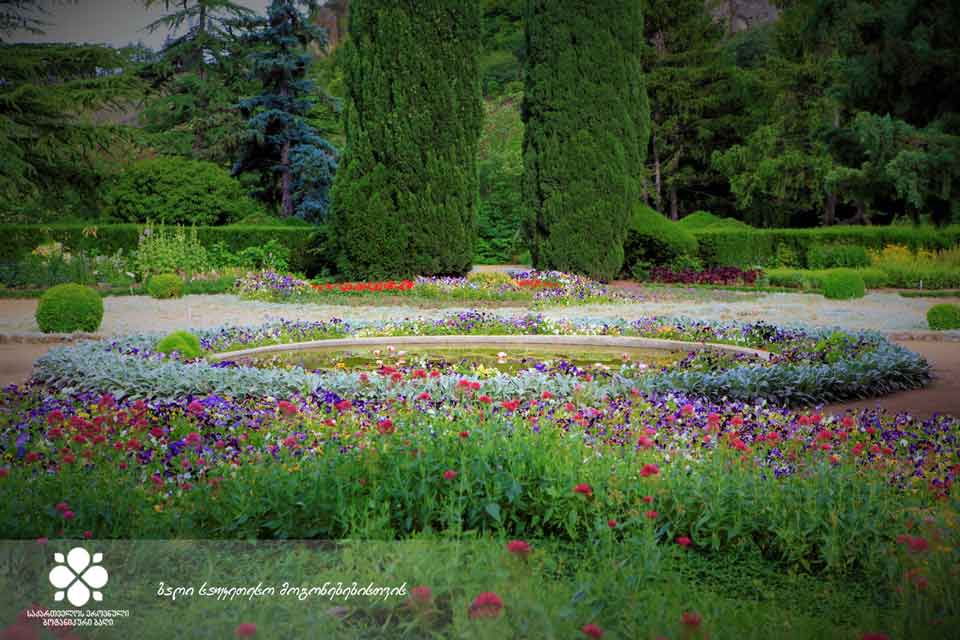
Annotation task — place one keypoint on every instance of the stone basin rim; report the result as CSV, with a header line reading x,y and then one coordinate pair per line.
x,y
622,342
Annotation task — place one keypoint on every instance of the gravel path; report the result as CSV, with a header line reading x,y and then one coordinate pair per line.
x,y
887,312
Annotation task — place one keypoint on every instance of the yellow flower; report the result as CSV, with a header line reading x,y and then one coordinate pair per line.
x,y
158,507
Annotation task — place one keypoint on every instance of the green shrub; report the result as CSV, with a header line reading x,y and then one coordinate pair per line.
x,y
843,284
66,308
183,342
308,253
165,285
163,250
792,278
654,239
941,317
704,220
170,190
874,278
831,256
739,248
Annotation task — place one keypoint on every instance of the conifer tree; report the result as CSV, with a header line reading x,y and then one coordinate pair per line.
x,y
405,198
279,141
587,124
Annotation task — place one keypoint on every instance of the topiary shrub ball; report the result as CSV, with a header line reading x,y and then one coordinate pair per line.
x,y
843,284
941,317
66,308
167,285
183,342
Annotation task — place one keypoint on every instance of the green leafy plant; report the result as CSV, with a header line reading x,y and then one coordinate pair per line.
x,y
843,284
67,308
163,250
942,317
165,285
183,342
170,190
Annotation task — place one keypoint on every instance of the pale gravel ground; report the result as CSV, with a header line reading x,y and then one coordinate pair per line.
x,y
882,311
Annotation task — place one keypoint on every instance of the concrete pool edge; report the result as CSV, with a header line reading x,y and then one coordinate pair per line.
x,y
506,341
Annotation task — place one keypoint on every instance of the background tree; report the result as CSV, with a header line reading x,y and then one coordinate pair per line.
x,y
55,131
405,199
279,143
587,122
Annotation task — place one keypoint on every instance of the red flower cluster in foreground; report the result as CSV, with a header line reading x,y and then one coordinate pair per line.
x,y
536,283
346,287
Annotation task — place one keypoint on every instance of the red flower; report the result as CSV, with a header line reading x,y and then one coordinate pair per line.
x,y
4,472
644,442
68,515
874,636
918,544
652,515
464,434
648,499
245,630
424,396
546,395
592,631
385,426
648,470
287,408
510,405
519,548
485,399
486,605
691,619
62,506
195,407
684,541
32,456
687,410
343,405
584,489
421,596
449,474
612,523
847,421
88,534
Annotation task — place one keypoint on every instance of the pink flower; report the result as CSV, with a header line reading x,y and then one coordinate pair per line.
x,y
644,442
287,408
88,534
684,541
486,605
245,630
583,489
652,515
687,410
68,515
449,474
918,544
648,470
42,540
592,631
62,506
195,407
519,548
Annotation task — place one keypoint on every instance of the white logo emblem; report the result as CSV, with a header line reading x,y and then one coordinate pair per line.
x,y
78,577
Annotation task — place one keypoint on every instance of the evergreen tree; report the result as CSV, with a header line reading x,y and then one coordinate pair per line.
x,y
279,142
20,15
49,142
405,199
587,124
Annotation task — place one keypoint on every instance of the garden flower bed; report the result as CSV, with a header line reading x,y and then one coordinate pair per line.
x,y
536,288
806,366
474,484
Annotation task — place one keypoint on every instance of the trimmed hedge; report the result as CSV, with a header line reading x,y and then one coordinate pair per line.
x,y
655,239
942,317
700,220
18,240
66,308
831,256
740,248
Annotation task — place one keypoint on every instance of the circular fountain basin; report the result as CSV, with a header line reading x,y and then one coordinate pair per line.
x,y
508,352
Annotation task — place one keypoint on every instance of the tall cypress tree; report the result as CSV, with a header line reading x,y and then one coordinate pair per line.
x,y
405,196
587,125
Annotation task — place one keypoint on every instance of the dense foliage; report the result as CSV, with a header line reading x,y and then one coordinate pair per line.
x,y
943,316
165,285
406,197
170,190
67,308
587,123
